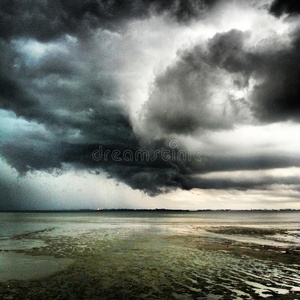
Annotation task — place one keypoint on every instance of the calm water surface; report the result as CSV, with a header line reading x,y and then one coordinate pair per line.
x,y
68,222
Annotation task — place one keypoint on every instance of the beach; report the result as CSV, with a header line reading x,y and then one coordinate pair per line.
x,y
150,255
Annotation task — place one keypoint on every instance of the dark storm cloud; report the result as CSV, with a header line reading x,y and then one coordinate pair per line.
x,y
184,96
233,163
161,175
12,94
243,185
276,97
43,150
70,93
46,20
280,7
183,99
14,98
30,151
67,92
225,50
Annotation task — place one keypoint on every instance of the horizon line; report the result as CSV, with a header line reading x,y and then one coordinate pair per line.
x,y
146,210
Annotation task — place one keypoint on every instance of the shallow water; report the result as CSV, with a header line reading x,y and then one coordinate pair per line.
x,y
23,267
23,244
17,223
151,255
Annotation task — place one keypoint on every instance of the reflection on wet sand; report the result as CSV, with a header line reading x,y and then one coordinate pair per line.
x,y
160,261
17,266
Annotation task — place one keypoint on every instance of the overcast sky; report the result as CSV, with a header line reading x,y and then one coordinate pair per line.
x,y
217,79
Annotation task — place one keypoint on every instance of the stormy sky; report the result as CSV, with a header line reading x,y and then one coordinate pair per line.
x,y
216,80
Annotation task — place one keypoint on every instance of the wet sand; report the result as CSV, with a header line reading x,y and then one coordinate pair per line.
x,y
18,266
187,262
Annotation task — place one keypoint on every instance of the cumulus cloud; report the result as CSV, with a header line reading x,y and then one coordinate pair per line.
x,y
67,86
226,83
201,90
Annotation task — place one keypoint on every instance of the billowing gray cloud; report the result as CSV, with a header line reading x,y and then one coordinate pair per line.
x,y
193,93
46,20
280,7
60,72
277,97
276,93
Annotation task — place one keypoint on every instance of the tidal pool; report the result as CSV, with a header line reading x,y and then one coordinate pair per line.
x,y
18,266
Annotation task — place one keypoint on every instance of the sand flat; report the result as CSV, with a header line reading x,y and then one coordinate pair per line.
x,y
135,256
19,266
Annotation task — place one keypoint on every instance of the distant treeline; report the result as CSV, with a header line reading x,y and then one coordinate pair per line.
x,y
154,210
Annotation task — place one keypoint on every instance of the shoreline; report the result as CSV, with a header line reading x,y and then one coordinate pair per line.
x,y
143,265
